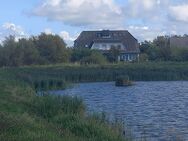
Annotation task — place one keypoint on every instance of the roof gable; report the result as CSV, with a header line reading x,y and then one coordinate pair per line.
x,y
87,38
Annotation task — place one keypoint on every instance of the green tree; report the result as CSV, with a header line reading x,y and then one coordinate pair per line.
x,y
149,48
95,58
179,54
79,53
52,48
159,49
143,57
113,54
145,46
163,44
11,54
30,52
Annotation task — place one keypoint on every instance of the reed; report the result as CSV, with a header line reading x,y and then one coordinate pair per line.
x,y
27,116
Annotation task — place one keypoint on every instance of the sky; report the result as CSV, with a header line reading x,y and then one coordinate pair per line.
x,y
145,19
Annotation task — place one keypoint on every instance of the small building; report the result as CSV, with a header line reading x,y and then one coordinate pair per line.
x,y
179,41
104,40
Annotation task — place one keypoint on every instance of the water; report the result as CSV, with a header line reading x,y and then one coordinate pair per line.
x,y
157,110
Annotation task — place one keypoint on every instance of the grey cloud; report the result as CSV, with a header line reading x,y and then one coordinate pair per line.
x,y
98,13
160,16
179,13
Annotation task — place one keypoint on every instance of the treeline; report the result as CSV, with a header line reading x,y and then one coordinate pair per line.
x,y
44,49
161,49
51,49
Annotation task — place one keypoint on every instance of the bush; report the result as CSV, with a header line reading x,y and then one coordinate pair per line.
x,y
143,57
123,81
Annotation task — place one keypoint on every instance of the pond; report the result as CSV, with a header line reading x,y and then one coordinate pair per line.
x,y
155,110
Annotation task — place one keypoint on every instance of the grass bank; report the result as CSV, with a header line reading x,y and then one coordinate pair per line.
x,y
28,117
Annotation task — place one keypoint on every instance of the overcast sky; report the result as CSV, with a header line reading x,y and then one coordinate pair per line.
x,y
145,19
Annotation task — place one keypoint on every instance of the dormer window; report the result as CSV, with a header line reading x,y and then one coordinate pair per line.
x,y
115,35
120,35
98,35
106,36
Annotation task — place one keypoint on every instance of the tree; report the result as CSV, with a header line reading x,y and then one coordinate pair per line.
x,y
3,58
143,57
79,53
52,48
40,49
9,42
30,52
113,54
11,54
144,46
95,58
163,43
179,54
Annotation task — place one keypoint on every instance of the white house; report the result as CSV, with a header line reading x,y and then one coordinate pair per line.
x,y
106,39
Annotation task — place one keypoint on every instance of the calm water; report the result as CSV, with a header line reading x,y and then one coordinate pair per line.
x,y
159,110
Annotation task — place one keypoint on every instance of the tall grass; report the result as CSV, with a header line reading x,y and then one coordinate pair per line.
x,y
25,116
48,106
55,76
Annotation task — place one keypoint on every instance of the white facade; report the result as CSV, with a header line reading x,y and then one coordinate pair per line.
x,y
122,57
107,46
128,57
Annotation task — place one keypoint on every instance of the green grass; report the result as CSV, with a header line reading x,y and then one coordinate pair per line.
x,y
150,71
24,116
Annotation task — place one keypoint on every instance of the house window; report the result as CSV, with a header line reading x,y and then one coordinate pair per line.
x,y
98,35
120,34
131,57
122,57
127,57
106,36
95,46
115,34
103,45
